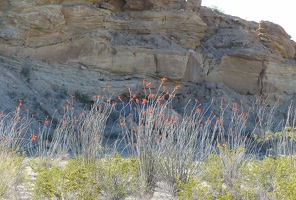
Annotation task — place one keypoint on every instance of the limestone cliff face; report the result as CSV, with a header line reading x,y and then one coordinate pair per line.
x,y
134,38
89,44
248,57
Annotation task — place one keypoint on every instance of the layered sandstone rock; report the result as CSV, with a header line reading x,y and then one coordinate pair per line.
x,y
65,32
86,45
276,39
247,57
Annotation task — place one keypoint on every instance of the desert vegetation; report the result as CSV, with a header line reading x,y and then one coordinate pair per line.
x,y
197,155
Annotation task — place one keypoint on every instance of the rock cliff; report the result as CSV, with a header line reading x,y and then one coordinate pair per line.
x,y
51,47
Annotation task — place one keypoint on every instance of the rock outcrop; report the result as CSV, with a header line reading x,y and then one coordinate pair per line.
x,y
147,37
248,57
86,45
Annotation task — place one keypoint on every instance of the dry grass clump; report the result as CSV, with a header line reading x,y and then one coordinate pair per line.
x,y
199,155
11,169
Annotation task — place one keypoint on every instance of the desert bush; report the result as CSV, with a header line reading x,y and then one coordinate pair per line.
x,y
80,178
213,175
14,130
184,143
75,181
20,132
200,155
223,174
15,139
112,177
148,113
273,178
233,162
213,183
165,143
83,98
11,169
118,176
193,189
81,134
274,138
48,183
285,178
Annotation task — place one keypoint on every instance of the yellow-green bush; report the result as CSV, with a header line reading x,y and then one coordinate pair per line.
x,y
276,177
118,176
48,183
76,181
212,174
113,176
285,178
10,172
267,179
194,189
223,174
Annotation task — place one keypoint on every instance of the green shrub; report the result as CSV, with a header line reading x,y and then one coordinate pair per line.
x,y
272,178
48,183
285,178
10,172
213,174
261,174
163,147
118,176
76,181
113,176
81,134
83,98
224,173
194,189
79,177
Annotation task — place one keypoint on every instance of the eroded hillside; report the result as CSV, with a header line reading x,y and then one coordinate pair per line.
x,y
51,49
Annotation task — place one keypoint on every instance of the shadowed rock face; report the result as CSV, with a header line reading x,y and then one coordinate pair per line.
x,y
86,45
